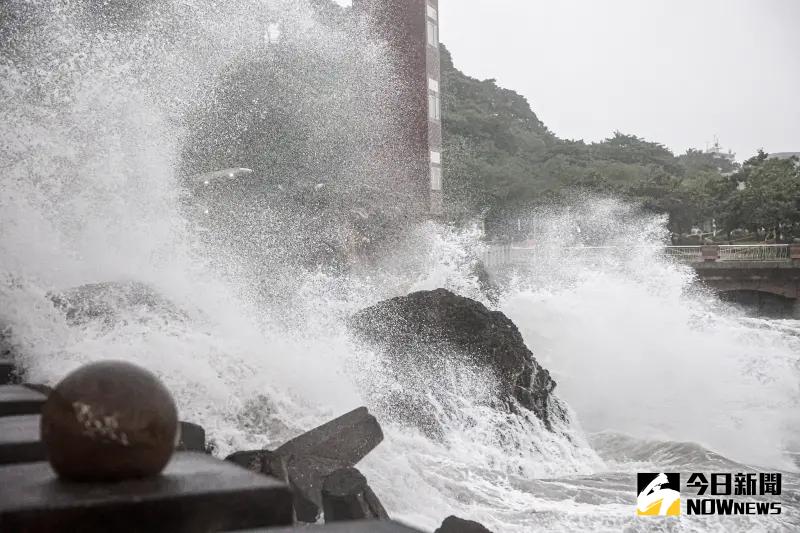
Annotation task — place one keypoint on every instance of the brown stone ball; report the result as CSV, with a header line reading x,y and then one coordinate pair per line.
x,y
109,421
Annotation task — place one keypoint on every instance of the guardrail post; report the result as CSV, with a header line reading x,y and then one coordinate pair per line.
x,y
709,252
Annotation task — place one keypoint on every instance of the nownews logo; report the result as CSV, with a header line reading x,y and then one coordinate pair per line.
x,y
659,494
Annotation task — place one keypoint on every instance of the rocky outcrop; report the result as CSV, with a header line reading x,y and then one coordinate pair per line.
x,y
420,327
453,524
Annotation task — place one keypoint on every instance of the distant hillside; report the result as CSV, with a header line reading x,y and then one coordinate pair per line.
x,y
785,155
501,158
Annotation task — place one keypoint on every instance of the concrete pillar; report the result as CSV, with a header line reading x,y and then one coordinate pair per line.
x,y
709,252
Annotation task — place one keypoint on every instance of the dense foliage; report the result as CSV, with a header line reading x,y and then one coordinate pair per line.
x,y
502,160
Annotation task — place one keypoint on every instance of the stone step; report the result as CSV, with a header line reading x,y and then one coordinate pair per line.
x,y
19,439
7,372
19,400
195,494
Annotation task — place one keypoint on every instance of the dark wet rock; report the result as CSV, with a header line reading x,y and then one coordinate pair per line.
x,y
453,524
418,329
347,496
412,409
109,421
8,372
192,438
111,302
308,459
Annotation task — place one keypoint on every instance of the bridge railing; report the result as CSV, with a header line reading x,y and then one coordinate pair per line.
x,y
508,254
689,254
778,252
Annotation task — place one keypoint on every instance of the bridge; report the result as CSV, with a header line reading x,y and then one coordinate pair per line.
x,y
764,275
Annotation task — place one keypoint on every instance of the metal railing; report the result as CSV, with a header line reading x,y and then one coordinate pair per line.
x,y
508,254
756,252
688,254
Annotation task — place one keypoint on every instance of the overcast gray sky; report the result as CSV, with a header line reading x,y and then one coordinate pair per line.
x,y
674,71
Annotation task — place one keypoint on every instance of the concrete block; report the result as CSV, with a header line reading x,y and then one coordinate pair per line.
x,y
192,438
347,439
346,496
306,476
8,372
195,494
20,440
19,400
309,458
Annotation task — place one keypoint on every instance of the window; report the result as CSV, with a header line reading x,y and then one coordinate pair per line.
x,y
434,112
433,33
433,26
436,178
273,34
432,14
434,105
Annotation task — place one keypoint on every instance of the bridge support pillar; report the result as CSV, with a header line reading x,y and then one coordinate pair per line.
x,y
710,252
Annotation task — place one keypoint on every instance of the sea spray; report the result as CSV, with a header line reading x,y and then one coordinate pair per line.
x,y
637,346
94,125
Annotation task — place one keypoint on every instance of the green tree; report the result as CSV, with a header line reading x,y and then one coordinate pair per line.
x,y
770,197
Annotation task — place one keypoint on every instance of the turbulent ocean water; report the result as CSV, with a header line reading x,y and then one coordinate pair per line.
x,y
659,375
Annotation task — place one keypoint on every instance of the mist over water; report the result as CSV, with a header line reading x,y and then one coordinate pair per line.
x,y
638,347
97,110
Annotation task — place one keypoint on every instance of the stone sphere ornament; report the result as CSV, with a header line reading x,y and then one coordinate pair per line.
x,y
109,421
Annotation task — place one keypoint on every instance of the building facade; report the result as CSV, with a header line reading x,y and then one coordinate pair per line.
x,y
411,29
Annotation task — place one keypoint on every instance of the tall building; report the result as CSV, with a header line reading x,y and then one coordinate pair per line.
x,y
411,29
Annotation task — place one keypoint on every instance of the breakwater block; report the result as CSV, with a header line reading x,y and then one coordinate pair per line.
x,y
19,439
346,496
363,526
306,476
7,372
309,458
192,438
347,439
195,494
19,400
